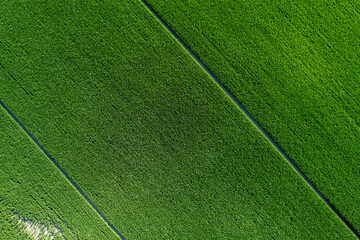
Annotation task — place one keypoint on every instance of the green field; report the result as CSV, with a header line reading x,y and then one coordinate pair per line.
x,y
159,148
32,189
295,68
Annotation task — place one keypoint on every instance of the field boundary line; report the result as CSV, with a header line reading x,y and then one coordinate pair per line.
x,y
253,121
62,171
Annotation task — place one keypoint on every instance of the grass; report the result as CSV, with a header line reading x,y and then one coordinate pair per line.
x,y
295,67
35,199
145,132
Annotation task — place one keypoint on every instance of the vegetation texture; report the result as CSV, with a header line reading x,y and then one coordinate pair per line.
x,y
295,67
36,201
144,131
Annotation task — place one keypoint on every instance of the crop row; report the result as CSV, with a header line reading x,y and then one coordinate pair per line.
x,y
145,132
295,69
36,201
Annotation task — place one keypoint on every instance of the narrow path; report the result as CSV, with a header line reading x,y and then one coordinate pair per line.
x,y
252,119
64,173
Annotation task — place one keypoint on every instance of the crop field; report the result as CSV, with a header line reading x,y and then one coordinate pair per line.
x,y
143,130
295,68
36,201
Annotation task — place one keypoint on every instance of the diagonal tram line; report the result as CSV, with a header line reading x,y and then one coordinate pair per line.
x,y
248,115
63,172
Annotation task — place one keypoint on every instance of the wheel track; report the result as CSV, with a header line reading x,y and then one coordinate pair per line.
x,y
63,172
248,115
